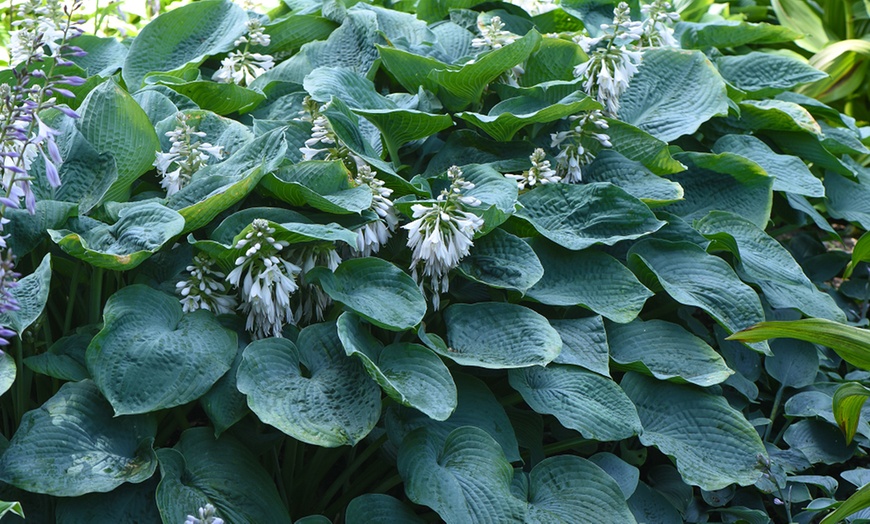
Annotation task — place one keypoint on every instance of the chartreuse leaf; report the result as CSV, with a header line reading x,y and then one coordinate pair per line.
x,y
580,399
848,401
673,93
665,351
642,147
145,334
766,263
502,260
464,479
183,36
851,343
31,294
111,121
140,231
765,72
216,187
694,278
73,444
860,253
376,290
566,488
553,61
291,32
730,450
588,278
731,33
802,18
579,216
409,373
377,508
845,62
11,507
855,503
507,117
789,172
632,176
200,470
311,390
323,185
222,98
499,335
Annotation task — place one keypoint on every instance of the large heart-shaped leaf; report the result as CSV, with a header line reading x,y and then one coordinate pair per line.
x,y
588,278
579,216
665,351
182,36
127,503
320,184
377,508
498,335
673,93
312,391
502,260
145,334
140,231
766,72
731,452
580,399
632,176
376,290
73,444
200,470
31,295
584,343
409,373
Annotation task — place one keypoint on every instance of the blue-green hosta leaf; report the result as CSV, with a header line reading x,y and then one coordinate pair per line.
x,y
140,231
580,216
127,503
665,351
149,355
789,172
477,406
848,199
351,87
632,176
224,403
8,370
566,488
553,61
464,147
377,508
113,122
819,441
731,33
640,146
323,185
673,416
693,277
764,262
291,32
795,363
200,470
214,188
809,147
651,507
584,343
31,294
506,118
64,360
219,97
376,290
625,475
673,93
104,55
765,72
502,260
183,36
580,399
499,335
588,278
724,182
464,479
400,126
777,115
497,194
73,444
335,405
26,231
409,373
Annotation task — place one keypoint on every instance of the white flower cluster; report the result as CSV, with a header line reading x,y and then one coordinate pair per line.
x,y
492,35
441,234
206,515
187,153
321,135
242,67
614,61
266,281
311,301
535,7
540,172
375,234
574,145
659,19
38,25
205,288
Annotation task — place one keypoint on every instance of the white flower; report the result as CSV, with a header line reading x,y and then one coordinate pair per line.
x,y
312,301
492,35
242,67
574,145
375,234
255,36
658,28
441,234
187,153
539,173
536,7
205,288
206,514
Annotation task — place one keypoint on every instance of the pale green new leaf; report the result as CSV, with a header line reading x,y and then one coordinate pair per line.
x,y
848,401
580,399
73,444
860,253
730,451
801,18
334,403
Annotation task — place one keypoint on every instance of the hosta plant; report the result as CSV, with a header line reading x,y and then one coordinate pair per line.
x,y
428,261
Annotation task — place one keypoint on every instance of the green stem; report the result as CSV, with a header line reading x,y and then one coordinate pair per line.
x,y
279,478
774,411
96,295
71,300
353,467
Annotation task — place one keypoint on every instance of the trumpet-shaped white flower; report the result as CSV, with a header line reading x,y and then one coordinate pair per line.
x,y
266,281
312,301
540,172
256,34
321,135
243,67
187,155
205,515
205,288
658,30
492,35
375,234
575,145
441,234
